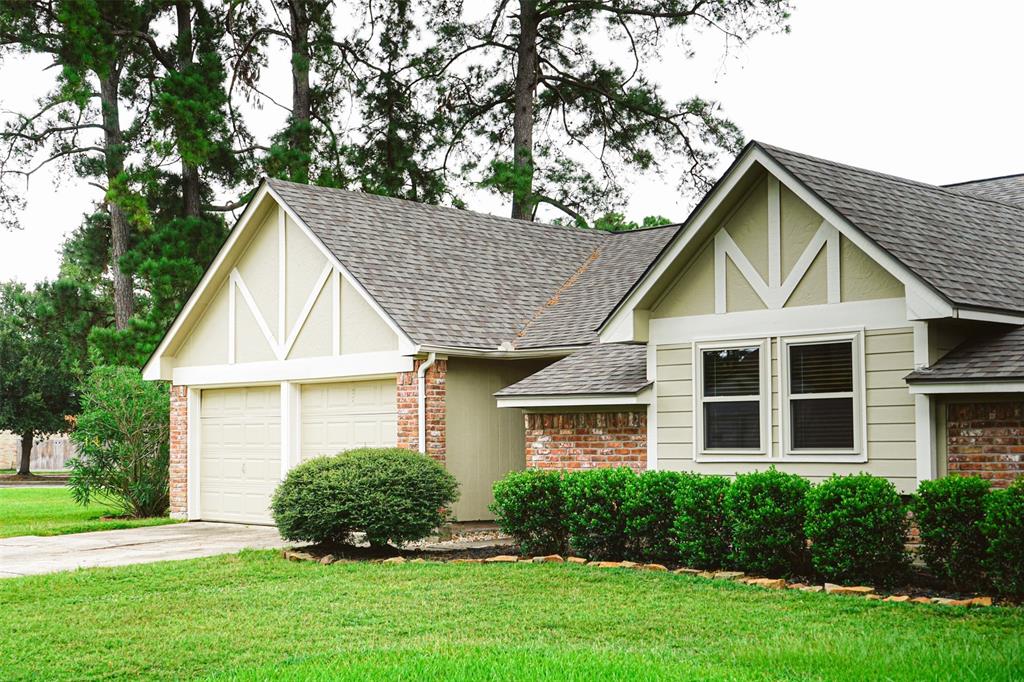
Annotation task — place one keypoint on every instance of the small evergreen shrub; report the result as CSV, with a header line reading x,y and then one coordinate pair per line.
x,y
1004,529
857,526
649,508
701,528
390,494
530,507
766,521
949,513
594,515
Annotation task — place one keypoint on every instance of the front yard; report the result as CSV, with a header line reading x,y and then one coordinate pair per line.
x,y
254,616
51,511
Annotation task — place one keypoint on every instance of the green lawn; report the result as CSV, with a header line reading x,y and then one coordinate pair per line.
x,y
254,616
51,511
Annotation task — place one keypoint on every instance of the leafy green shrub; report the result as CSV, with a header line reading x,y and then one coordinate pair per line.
x,y
529,506
594,516
392,495
701,528
857,526
123,439
766,520
949,512
1004,530
649,508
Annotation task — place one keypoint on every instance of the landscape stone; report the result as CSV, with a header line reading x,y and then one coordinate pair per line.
x,y
687,571
466,561
655,567
855,590
898,598
629,564
327,559
981,601
769,583
812,588
394,560
576,560
729,575
549,559
605,564
921,600
502,559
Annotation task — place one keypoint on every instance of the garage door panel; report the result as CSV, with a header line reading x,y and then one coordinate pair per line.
x,y
346,415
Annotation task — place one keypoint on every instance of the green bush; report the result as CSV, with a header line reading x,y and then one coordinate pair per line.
x,y
701,528
857,527
594,516
529,506
123,439
649,508
391,495
1004,530
949,512
766,520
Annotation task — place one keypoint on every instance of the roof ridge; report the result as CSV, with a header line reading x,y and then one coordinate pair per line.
x,y
980,180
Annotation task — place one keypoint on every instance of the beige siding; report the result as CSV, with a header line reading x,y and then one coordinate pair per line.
x,y
861,278
890,414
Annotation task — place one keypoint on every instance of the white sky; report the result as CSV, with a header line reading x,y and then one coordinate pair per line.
x,y
929,90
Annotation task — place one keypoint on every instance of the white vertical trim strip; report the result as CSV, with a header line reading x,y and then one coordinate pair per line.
x,y
652,408
336,313
720,300
924,411
282,274
287,427
232,319
774,233
832,267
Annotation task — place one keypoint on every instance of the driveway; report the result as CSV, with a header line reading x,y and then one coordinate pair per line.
x,y
33,555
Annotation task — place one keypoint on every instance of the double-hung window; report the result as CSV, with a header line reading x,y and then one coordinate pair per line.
x,y
731,390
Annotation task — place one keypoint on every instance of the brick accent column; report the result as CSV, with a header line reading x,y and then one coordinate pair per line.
x,y
408,409
179,452
986,439
586,440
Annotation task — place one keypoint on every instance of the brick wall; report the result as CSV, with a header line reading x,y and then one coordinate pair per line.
x,y
586,440
179,452
986,439
408,409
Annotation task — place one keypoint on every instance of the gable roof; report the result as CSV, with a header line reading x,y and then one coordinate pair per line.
x,y
602,368
997,357
455,278
1008,189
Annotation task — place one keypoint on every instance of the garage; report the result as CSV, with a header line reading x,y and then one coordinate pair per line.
x,y
240,453
348,414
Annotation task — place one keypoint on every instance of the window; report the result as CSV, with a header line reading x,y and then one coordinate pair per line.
x,y
731,397
822,411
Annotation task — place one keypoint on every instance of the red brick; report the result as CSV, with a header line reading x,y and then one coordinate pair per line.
x,y
408,409
586,440
985,439
179,451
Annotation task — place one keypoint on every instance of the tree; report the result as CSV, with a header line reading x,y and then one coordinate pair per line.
x,y
37,373
539,91
616,222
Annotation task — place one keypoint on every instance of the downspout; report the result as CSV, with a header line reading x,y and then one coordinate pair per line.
x,y
421,375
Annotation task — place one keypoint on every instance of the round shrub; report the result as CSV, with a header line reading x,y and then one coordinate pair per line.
x,y
766,520
949,513
701,528
391,495
594,517
857,526
529,506
649,508
1004,530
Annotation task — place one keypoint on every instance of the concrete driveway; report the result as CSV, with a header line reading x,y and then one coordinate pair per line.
x,y
33,555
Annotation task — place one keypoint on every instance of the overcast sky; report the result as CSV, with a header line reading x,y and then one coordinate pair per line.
x,y
929,90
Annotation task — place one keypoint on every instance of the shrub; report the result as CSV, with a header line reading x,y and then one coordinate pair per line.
x,y
529,506
594,517
123,439
949,512
649,508
766,520
857,526
701,528
1004,529
391,495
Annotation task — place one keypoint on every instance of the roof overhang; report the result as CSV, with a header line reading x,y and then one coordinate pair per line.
x,y
639,398
954,386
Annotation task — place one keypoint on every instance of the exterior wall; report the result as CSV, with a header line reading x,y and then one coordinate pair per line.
x,y
179,452
48,454
586,440
408,409
984,437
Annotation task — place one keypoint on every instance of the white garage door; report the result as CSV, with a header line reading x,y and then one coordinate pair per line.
x,y
240,453
346,415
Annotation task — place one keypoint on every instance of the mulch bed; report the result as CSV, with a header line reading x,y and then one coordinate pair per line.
x,y
34,479
365,553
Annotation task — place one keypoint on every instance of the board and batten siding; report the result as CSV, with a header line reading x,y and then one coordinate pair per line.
x,y
888,357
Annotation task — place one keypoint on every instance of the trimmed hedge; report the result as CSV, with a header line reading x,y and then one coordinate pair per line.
x,y
649,509
594,511
1004,529
949,513
530,506
857,527
391,495
766,521
701,528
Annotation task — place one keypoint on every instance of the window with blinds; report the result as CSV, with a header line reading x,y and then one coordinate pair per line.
x,y
821,396
731,398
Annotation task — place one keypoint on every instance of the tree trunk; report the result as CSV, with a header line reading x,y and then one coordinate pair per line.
x,y
120,230
190,185
302,112
522,121
26,452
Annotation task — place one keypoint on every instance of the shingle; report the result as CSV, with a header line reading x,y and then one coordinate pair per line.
x,y
600,368
999,357
1008,189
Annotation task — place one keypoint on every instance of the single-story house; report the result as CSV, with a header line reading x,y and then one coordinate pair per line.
x,y
808,315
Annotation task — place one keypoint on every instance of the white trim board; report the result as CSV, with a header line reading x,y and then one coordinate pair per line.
x,y
953,387
338,367
586,400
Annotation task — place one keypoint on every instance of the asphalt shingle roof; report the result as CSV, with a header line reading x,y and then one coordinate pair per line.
x,y
600,368
968,247
1008,189
471,280
995,358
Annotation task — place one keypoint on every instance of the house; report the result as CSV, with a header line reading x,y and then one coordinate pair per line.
x,y
808,315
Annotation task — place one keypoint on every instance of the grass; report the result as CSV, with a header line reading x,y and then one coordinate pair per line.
x,y
52,511
254,616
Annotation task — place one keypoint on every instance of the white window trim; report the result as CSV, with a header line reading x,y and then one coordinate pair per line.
x,y
859,452
700,453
